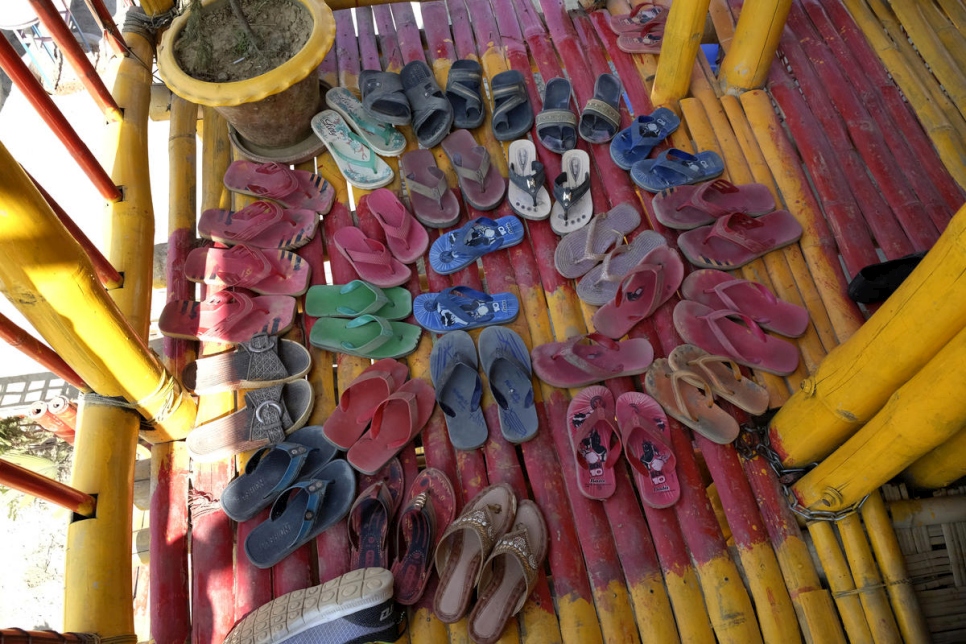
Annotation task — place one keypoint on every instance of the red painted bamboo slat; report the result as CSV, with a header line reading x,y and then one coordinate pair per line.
x,y
347,48
169,610
212,545
368,49
253,586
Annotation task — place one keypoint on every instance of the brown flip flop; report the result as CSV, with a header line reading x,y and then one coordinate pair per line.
x,y
724,376
369,519
684,395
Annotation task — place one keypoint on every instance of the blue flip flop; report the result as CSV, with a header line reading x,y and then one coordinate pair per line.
x,y
459,248
462,308
459,389
633,144
673,168
506,363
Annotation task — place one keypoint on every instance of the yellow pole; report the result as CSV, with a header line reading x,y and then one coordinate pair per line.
x,y
934,510
941,466
840,581
753,46
682,37
867,580
156,7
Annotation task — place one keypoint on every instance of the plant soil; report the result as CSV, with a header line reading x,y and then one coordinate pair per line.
x,y
217,49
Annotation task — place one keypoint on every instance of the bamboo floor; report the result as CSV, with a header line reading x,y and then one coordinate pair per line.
x,y
830,135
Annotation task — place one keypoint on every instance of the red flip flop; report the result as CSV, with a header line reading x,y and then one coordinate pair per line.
x,y
430,197
584,360
407,240
637,18
720,290
647,40
395,423
265,271
736,239
687,207
291,188
371,260
595,441
647,445
262,224
480,181
348,421
227,317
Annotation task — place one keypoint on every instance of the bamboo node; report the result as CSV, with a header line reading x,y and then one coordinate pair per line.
x,y
166,397
808,386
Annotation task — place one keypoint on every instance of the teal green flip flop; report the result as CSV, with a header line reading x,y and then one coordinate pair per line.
x,y
358,298
366,336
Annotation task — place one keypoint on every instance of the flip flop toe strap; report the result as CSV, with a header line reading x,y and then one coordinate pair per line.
x,y
295,454
567,191
673,164
717,384
688,377
313,492
721,290
703,197
592,237
268,416
375,254
400,433
733,227
379,298
385,333
273,180
530,183
712,320
478,174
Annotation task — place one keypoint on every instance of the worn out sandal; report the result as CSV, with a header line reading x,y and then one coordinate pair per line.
x,y
685,396
736,239
690,206
358,298
294,189
637,18
556,123
349,420
263,224
586,359
512,114
464,92
382,137
432,112
724,376
506,363
480,181
674,168
383,98
433,203
371,259
227,317
602,283
459,248
647,446
357,162
368,526
601,116
583,249
260,362
454,369
634,143
395,423
263,271
366,336
462,308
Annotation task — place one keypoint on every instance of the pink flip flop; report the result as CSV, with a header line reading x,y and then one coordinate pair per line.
x,y
407,240
736,239
649,285
262,224
584,360
647,446
736,336
430,197
348,421
595,441
268,271
396,421
688,399
720,290
227,316
291,188
371,260
637,18
687,207
647,40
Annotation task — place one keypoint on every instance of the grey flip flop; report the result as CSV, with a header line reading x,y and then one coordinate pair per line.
x,y
432,112
512,114
601,283
263,361
601,117
506,363
586,247
383,98
459,389
463,90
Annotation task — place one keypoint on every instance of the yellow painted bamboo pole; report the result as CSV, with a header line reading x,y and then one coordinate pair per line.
x,y
156,7
841,582
956,12
953,42
941,466
892,563
875,603
682,38
753,46
724,23
914,513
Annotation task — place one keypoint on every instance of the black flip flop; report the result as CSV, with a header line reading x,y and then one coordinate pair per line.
x,y
512,114
601,117
464,92
875,283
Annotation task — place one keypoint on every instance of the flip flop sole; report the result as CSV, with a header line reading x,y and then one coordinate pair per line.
x,y
506,362
328,301
350,108
453,368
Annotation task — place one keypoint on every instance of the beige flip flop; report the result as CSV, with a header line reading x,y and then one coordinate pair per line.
x,y
685,396
724,376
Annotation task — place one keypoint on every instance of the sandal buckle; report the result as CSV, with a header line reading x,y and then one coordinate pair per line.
x,y
268,403
261,342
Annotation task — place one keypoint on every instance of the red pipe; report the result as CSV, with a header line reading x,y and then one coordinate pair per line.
x,y
41,414
17,70
31,346
108,27
20,636
45,488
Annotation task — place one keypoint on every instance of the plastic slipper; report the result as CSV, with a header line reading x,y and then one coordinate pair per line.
x,y
454,369
357,162
396,421
583,249
371,260
685,396
432,112
647,446
601,283
227,317
407,240
585,359
556,123
430,197
877,282
634,143
736,239
268,271
464,92
294,189
480,182
459,248
368,524
269,414
358,298
637,18
383,138
719,290
527,195
574,206
463,308
262,224
736,336
646,287
674,168
393,477
366,336
431,506
301,513
647,40
687,207
465,545
595,441
509,574
506,363
349,420
383,98
601,116
263,361
723,375
512,114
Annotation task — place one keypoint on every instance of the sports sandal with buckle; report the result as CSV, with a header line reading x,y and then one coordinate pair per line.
x,y
512,114
383,98
464,92
556,123
527,195
263,361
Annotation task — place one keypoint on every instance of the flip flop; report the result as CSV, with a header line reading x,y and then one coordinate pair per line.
x,y
463,308
601,116
301,513
602,283
647,40
556,123
267,272
383,98
371,260
394,478
464,91
407,240
736,239
509,574
634,143
586,247
480,181
368,524
687,207
395,423
227,317
512,114
269,414
574,206
723,375
465,545
736,336
637,18
454,369
430,197
595,442
674,168
506,363
366,336
585,359
432,505
262,224
358,298
685,396
719,290
527,195
646,287
294,189
357,162
459,248
263,361
875,283
432,112
647,446
382,137
349,420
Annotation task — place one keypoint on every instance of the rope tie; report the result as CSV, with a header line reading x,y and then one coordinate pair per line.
x,y
167,394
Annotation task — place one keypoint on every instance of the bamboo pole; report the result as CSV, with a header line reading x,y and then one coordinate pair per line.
x,y
936,510
940,467
867,580
753,46
679,47
840,582
48,489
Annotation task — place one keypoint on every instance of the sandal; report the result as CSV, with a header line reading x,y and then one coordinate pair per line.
x,y
673,168
349,420
227,317
736,239
368,527
463,308
556,124
358,298
366,336
527,195
512,114
687,207
481,183
432,112
723,375
430,197
454,369
601,117
586,359
407,240
262,224
360,166
636,142
647,445
685,396
383,138
595,442
571,190
506,363
583,249
383,98
646,287
266,272
370,259
294,189
464,91
647,40
263,361
459,248
601,283
637,18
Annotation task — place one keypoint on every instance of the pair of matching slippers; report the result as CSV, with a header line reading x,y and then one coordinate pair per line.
x,y
260,270
464,90
293,189
461,247
691,206
371,515
358,163
737,239
585,248
646,39
587,359
263,361
366,336
406,239
462,308
227,317
411,96
480,182
674,167
634,143
635,19
383,138
512,113
527,194
357,298
371,260
556,123
602,283
358,402
573,206
263,224
601,117
434,204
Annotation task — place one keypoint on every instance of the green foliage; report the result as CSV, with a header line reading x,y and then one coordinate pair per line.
x,y
31,447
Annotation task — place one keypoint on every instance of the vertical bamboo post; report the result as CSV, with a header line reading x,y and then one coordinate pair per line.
x,y
840,581
753,46
882,623
679,48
